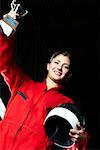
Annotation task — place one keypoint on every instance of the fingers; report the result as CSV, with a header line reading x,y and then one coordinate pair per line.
x,y
74,137
79,126
12,14
75,133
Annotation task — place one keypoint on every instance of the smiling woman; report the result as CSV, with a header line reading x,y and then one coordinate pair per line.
x,y
58,68
31,101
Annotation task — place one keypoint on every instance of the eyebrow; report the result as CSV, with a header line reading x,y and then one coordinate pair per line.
x,y
64,63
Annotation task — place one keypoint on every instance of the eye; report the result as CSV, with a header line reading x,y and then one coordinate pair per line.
x,y
66,67
56,62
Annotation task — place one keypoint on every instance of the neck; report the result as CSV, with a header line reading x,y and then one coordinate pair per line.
x,y
51,84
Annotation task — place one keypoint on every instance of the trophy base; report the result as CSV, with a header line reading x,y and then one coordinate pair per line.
x,y
10,21
8,24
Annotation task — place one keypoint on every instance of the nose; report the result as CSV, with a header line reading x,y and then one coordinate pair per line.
x,y
59,67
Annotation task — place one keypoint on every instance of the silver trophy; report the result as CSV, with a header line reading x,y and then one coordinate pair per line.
x,y
8,23
17,8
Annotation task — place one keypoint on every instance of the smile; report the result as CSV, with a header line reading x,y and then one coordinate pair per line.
x,y
58,73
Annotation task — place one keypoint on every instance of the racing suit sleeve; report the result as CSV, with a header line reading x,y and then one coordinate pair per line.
x,y
12,74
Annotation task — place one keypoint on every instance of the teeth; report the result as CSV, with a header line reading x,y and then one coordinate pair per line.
x,y
58,73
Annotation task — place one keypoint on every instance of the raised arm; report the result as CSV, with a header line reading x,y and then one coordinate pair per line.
x,y
12,74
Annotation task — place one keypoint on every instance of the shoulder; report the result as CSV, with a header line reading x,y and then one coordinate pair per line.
x,y
66,99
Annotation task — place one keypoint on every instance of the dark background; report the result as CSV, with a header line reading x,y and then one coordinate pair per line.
x,y
73,24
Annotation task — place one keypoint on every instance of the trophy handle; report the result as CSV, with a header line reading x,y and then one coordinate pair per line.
x,y
17,8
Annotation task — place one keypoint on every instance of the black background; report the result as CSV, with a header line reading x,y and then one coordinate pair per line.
x,y
73,24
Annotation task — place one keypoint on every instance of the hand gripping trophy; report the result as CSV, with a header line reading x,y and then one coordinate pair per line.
x,y
9,22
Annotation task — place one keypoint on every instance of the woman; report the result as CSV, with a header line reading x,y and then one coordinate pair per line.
x,y
22,126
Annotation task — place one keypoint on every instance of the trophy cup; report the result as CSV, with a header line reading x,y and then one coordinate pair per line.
x,y
8,23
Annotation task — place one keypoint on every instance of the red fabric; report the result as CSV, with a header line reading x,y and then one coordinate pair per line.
x,y
73,148
22,127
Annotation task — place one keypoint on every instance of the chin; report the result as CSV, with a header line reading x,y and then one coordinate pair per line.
x,y
58,81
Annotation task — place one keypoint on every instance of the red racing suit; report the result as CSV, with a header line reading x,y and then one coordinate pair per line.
x,y
22,127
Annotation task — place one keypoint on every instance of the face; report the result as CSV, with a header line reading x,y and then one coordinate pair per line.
x,y
58,68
